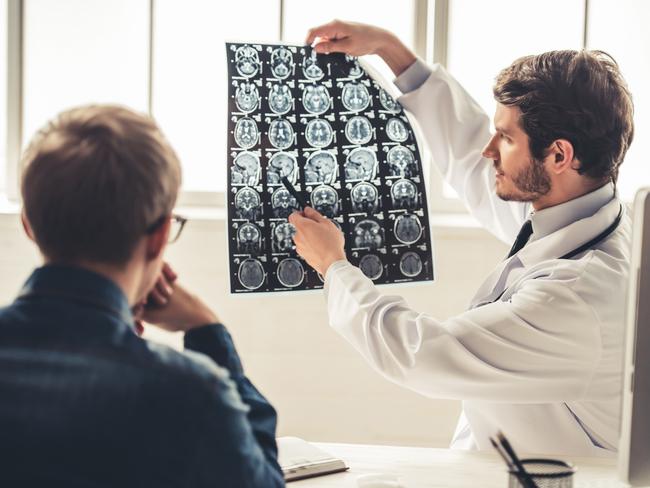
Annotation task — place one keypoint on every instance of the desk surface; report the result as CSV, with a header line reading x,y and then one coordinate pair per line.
x,y
442,468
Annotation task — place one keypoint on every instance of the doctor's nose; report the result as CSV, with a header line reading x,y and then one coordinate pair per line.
x,y
490,151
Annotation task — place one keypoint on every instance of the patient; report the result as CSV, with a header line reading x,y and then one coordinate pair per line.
x,y
84,400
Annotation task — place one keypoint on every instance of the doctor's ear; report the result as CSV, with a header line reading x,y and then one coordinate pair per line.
x,y
26,227
560,156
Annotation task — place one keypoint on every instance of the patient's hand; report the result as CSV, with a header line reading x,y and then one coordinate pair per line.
x,y
171,307
317,239
359,39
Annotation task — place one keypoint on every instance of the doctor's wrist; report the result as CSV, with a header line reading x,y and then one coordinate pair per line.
x,y
394,52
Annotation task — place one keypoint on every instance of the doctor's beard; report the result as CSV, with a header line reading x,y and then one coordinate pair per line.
x,y
530,183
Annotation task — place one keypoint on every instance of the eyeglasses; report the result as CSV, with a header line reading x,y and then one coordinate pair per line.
x,y
177,225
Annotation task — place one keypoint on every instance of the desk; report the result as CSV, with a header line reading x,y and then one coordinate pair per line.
x,y
442,468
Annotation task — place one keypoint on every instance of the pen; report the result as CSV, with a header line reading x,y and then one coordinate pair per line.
x,y
520,472
294,192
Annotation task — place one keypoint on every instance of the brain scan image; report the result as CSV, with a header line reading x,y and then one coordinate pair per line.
x,y
355,97
247,61
281,62
368,234
407,228
281,165
410,264
290,272
323,122
358,130
247,97
249,239
246,169
371,266
283,203
396,130
280,99
248,204
316,99
319,133
320,168
325,199
310,67
281,134
400,161
388,102
404,194
246,133
361,164
365,198
283,237
251,274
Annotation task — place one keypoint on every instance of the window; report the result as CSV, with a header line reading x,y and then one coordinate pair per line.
x,y
3,93
83,51
621,30
190,78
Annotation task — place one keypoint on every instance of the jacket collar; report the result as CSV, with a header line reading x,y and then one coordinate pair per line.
x,y
577,223
75,284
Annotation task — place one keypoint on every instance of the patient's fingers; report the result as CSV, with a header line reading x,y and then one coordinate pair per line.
x,y
168,272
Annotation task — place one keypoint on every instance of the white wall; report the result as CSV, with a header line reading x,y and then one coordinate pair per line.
x,y
321,388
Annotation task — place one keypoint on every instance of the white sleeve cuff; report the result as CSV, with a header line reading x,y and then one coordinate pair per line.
x,y
413,77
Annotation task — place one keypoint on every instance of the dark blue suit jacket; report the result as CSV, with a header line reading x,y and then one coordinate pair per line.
x,y
86,402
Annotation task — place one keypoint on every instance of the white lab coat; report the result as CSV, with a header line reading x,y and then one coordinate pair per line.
x,y
543,362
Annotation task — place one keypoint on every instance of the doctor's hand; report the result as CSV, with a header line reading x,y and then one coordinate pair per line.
x,y
359,39
317,239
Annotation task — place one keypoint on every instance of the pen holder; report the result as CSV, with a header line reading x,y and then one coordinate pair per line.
x,y
546,473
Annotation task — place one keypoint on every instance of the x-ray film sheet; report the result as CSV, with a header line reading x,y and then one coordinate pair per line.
x,y
349,150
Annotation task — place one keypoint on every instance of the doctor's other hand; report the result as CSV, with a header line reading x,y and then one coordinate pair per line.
x,y
317,239
359,39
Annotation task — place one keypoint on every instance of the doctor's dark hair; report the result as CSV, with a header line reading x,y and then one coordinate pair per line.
x,y
579,96
95,179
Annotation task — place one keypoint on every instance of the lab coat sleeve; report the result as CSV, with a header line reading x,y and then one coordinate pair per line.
x,y
542,346
456,130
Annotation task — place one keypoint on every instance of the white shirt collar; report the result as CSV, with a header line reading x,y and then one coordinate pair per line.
x,y
551,219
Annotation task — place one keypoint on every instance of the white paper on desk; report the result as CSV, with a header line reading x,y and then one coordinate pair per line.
x,y
299,459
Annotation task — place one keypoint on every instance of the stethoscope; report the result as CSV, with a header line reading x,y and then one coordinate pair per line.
x,y
579,250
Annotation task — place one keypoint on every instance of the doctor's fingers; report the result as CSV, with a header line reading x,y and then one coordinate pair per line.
x,y
345,45
332,30
313,214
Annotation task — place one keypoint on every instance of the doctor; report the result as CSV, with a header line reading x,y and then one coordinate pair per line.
x,y
538,352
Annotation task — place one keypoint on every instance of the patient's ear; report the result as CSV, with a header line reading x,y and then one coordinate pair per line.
x,y
26,227
157,240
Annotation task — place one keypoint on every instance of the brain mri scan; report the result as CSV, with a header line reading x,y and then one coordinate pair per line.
x,y
404,194
283,203
316,99
246,133
280,99
281,134
249,239
408,228
247,204
361,164
246,169
396,130
355,97
281,165
247,97
358,130
371,266
247,61
346,146
282,62
283,237
310,67
320,168
368,234
251,274
290,272
325,199
388,102
365,198
319,133
410,264
400,161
